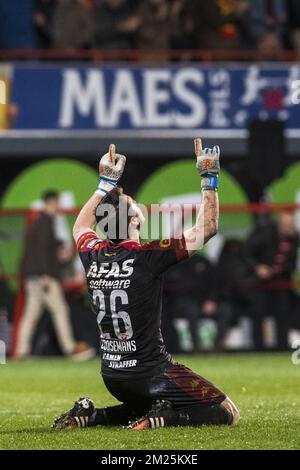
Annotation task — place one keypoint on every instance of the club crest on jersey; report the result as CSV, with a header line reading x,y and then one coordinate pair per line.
x,y
165,243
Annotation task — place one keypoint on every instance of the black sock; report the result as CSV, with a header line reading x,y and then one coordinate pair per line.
x,y
206,414
119,415
209,414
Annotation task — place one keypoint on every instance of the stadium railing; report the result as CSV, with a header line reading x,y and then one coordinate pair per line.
x,y
136,55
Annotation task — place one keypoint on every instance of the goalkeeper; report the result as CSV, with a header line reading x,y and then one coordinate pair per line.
x,y
124,283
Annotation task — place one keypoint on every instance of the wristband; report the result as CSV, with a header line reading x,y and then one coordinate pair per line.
x,y
108,180
105,185
210,182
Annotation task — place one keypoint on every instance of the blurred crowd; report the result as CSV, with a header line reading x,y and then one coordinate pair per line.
x,y
244,299
268,25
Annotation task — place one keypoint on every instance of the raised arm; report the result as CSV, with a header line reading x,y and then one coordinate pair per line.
x,y
206,225
111,168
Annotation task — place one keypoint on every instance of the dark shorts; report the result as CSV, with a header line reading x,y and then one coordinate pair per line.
x,y
177,384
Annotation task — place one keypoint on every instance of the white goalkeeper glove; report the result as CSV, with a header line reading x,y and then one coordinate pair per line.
x,y
111,169
208,165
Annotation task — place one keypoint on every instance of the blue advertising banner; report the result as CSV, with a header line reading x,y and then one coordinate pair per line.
x,y
223,97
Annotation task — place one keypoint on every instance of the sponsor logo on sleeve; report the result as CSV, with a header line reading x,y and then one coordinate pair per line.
x,y
91,244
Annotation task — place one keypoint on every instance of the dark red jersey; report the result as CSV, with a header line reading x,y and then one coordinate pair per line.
x,y
125,289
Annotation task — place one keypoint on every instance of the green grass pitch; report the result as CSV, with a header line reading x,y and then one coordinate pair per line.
x,y
265,388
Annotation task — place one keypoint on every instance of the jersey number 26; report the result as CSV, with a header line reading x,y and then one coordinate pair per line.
x,y
117,317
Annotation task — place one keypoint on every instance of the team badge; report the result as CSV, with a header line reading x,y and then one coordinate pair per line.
x,y
165,243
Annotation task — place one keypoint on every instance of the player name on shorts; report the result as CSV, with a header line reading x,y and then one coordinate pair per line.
x,y
111,357
123,364
118,346
115,360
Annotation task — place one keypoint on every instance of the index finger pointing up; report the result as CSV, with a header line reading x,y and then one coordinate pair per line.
x,y
198,147
112,153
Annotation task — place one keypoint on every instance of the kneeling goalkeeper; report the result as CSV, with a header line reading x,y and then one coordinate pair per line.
x,y
124,282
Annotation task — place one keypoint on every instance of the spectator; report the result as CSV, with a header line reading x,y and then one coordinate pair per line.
x,y
6,309
73,25
268,22
73,276
294,22
115,24
43,21
272,254
16,25
189,287
182,35
154,25
121,24
219,25
231,284
42,284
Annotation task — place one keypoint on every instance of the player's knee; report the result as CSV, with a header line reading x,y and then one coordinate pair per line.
x,y
232,410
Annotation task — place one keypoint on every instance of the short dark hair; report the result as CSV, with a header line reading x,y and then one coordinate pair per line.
x,y
113,198
50,194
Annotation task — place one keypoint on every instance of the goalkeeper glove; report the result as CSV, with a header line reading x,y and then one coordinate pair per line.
x,y
208,165
111,168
